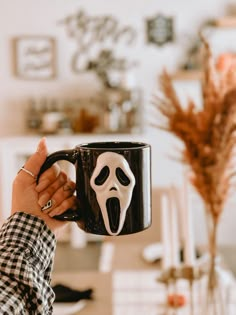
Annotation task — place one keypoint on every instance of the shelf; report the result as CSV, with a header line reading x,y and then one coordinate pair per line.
x,y
187,75
191,75
227,21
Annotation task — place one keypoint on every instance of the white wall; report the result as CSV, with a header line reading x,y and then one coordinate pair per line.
x,y
31,17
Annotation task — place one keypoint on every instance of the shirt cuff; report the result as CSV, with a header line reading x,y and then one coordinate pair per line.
x,y
31,233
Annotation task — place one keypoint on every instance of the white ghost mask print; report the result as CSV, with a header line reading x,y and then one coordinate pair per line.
x,y
113,182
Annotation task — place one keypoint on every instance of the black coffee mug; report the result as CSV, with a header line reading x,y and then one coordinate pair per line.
x,y
113,186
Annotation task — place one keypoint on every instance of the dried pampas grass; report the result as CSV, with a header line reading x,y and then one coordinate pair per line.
x,y
208,134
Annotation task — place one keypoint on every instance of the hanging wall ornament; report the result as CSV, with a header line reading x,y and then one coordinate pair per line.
x,y
93,35
159,30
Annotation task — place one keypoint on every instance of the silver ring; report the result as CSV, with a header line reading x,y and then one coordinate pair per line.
x,y
28,172
48,205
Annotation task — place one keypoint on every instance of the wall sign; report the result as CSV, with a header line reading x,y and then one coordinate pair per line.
x,y
34,57
159,30
93,35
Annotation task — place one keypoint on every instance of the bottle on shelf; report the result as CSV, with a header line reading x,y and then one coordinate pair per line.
x,y
33,118
51,118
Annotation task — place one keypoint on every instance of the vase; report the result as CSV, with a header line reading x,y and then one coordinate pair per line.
x,y
216,286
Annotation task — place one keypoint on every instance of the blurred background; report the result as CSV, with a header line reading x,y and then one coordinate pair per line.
x,y
79,71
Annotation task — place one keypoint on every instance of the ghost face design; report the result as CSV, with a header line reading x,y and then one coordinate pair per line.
x,y
113,182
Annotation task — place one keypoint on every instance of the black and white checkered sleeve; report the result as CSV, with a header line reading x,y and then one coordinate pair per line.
x,y
27,248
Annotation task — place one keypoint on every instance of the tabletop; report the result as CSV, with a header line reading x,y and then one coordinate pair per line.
x,y
125,283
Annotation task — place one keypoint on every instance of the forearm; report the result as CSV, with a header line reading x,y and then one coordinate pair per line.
x,y
27,249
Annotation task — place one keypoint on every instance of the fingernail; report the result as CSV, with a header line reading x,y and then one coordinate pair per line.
x,y
70,186
42,147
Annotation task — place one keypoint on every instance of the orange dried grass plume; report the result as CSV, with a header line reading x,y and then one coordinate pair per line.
x,y
208,134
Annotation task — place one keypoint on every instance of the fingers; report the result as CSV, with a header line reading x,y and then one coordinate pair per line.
x,y
53,189
55,195
49,177
31,168
68,203
46,194
37,159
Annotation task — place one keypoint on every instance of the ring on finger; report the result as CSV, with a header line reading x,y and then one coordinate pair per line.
x,y
48,205
27,171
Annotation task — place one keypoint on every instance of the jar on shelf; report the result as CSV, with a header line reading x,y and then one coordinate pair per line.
x,y
33,117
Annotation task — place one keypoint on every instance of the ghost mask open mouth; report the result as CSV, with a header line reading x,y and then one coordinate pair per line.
x,y
113,211
113,182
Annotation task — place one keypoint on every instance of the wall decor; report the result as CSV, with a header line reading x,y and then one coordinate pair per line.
x,y
159,29
96,38
34,57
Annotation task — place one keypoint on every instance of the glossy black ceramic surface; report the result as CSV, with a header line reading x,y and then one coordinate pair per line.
x,y
113,186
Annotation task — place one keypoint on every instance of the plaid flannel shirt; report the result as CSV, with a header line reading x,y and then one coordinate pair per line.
x,y
27,248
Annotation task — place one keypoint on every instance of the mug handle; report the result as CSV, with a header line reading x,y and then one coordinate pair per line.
x,y
70,156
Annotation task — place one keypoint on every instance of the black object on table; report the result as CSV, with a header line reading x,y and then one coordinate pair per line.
x,y
66,294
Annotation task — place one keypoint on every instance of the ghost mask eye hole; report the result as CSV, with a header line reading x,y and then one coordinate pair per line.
x,y
102,176
123,179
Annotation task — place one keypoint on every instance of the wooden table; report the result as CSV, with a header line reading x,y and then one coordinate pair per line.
x,y
129,286
108,286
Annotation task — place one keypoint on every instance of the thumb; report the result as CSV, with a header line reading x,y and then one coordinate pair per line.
x,y
37,159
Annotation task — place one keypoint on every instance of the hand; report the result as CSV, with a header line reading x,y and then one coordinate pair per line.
x,y
53,186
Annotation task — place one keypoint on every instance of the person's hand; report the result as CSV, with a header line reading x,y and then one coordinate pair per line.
x,y
51,196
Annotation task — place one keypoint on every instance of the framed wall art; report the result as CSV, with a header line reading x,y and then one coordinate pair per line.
x,y
159,30
34,57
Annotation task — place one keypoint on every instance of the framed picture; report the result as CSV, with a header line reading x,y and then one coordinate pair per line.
x,y
160,30
34,57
